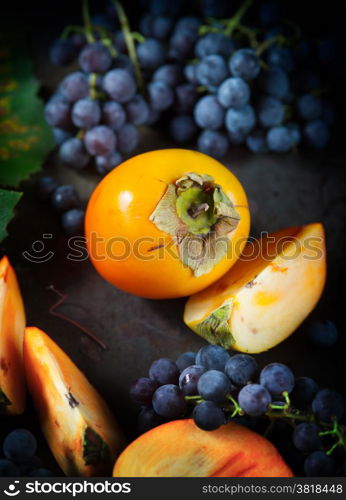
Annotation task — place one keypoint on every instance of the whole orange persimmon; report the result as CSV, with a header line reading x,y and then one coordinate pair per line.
x,y
166,223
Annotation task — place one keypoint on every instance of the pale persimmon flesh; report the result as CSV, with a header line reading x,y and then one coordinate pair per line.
x,y
266,295
80,430
166,223
181,449
12,325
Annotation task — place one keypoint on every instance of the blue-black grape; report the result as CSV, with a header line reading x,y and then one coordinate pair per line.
x,y
86,113
317,134
295,131
64,197
277,378
161,95
148,419
275,82
209,113
237,137
169,73
244,63
328,404
164,371
214,43
213,143
105,164
119,84
280,139
19,444
189,378
304,391
142,390
185,359
256,141
234,92
318,464
282,57
72,221
182,129
270,111
57,112
212,357
60,135
254,399
240,120
309,107
208,416
323,333
211,71
161,27
73,153
75,86
306,437
241,369
95,58
113,114
8,469
127,138
62,52
46,185
169,401
185,98
214,385
190,73
151,53
100,140
137,110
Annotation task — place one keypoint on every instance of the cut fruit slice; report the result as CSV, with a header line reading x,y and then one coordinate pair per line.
x,y
181,449
267,293
80,430
12,324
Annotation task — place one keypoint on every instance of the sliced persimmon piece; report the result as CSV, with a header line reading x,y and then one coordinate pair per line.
x,y
12,325
80,429
266,295
181,449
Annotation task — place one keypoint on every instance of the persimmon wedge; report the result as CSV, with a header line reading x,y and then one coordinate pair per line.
x,y
266,295
181,449
12,325
79,428
166,223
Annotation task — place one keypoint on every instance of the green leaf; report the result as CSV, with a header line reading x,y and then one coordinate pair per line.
x,y
25,138
8,200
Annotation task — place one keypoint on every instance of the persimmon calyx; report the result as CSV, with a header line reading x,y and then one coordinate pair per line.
x,y
199,215
95,450
215,328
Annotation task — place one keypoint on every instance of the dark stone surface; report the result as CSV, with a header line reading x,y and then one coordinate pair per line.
x,y
283,190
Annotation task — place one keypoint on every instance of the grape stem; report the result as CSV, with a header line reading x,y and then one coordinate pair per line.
x,y
129,40
285,412
234,21
86,17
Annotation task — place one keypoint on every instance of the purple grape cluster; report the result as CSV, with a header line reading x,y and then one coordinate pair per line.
x,y
19,448
214,387
219,86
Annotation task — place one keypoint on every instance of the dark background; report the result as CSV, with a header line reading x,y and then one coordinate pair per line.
x,y
283,190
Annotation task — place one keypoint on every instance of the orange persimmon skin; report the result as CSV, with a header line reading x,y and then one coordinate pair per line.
x,y
128,250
